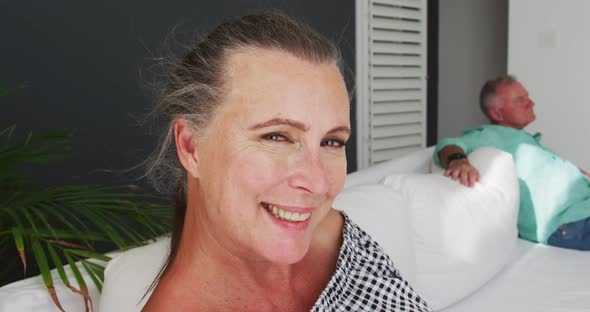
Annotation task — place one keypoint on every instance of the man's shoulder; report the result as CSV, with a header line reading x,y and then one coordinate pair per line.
x,y
474,130
493,129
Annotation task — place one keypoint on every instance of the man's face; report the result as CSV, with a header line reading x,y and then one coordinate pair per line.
x,y
512,106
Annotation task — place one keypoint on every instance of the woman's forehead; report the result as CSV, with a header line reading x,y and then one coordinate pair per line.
x,y
269,64
261,75
265,84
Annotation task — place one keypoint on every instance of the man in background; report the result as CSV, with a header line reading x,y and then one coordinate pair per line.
x,y
554,193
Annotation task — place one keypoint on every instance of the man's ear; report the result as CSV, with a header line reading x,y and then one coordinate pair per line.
x,y
495,114
185,140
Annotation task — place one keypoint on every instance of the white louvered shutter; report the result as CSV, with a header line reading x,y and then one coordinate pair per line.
x,y
391,78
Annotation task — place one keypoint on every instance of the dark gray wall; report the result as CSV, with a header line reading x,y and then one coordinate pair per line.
x,y
82,63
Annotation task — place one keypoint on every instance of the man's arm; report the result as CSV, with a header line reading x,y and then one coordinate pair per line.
x,y
459,170
585,173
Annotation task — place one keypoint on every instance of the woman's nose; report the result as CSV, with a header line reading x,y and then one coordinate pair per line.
x,y
309,173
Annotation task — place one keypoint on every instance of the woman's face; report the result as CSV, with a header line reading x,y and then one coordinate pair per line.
x,y
272,160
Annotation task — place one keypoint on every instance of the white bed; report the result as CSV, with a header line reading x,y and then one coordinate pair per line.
x,y
539,278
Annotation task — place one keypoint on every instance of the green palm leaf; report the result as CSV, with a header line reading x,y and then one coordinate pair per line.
x,y
17,232
93,274
41,260
79,279
58,265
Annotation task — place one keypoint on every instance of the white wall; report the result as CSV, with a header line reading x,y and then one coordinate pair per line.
x,y
549,51
472,49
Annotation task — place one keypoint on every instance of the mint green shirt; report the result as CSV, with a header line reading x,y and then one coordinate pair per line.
x,y
553,191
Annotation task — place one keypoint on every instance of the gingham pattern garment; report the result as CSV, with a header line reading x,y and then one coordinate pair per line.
x,y
365,279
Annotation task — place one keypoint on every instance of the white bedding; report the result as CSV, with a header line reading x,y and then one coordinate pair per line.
x,y
540,278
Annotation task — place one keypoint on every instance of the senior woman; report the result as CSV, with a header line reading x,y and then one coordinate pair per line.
x,y
259,114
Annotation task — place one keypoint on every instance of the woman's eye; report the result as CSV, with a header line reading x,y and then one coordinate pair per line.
x,y
275,137
334,143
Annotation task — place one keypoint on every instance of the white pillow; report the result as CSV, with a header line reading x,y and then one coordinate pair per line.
x,y
463,236
383,214
128,276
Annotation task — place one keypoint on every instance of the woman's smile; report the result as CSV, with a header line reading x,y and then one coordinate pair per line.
x,y
283,214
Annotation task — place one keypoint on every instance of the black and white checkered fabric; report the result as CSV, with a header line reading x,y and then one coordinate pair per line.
x,y
365,279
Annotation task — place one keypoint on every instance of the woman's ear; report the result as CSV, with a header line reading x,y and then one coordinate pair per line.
x,y
185,139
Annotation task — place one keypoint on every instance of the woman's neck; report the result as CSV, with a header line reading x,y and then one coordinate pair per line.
x,y
207,270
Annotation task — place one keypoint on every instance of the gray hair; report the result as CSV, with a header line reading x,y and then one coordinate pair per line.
x,y
490,90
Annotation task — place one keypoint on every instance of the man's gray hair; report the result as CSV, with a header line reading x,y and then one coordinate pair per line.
x,y
490,90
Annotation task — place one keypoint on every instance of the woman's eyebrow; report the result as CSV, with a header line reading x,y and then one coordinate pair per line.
x,y
293,123
280,121
340,129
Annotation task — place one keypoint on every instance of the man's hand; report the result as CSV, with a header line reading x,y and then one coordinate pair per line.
x,y
459,170
463,172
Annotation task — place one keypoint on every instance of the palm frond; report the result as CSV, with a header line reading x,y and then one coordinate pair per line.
x,y
19,241
58,265
41,259
80,280
93,274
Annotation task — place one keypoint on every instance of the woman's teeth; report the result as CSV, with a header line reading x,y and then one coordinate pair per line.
x,y
286,215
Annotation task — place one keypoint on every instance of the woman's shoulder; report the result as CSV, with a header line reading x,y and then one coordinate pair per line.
x,y
364,270
359,249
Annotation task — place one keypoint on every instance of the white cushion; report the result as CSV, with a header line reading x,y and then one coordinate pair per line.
x,y
463,236
128,277
383,214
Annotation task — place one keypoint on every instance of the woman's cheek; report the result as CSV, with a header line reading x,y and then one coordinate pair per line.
x,y
260,169
336,171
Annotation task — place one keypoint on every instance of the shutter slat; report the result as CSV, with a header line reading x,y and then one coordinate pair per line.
x,y
396,119
395,12
396,36
397,107
395,47
396,95
397,130
405,3
396,24
388,59
392,72
396,83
